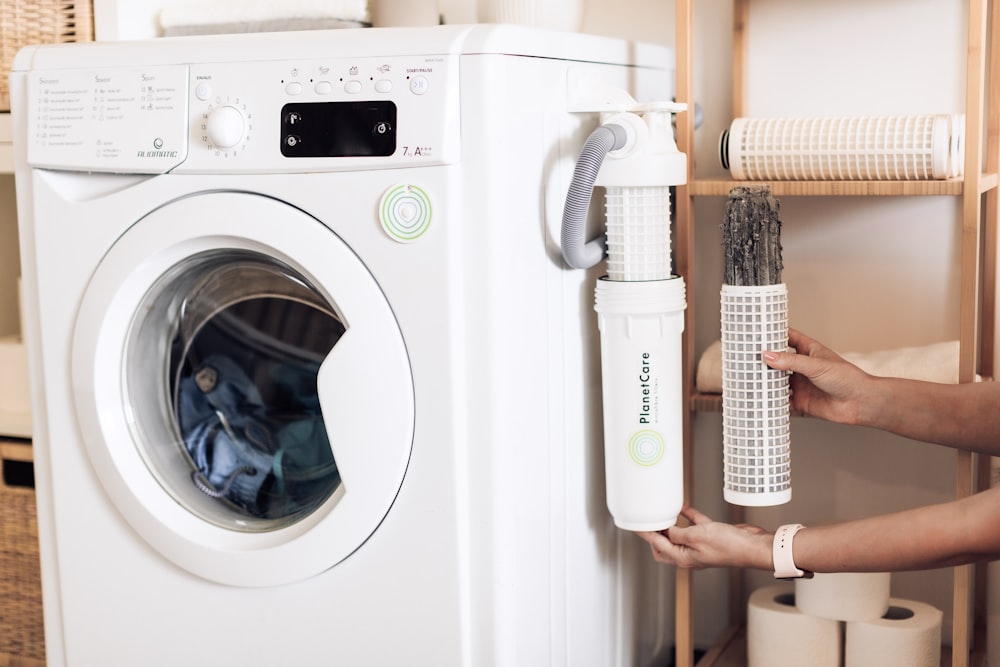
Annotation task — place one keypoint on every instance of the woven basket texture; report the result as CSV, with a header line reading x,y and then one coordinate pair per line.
x,y
27,22
21,625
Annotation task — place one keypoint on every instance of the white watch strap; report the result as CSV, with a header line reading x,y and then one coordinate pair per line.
x,y
781,553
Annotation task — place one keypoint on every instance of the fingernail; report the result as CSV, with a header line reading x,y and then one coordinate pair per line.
x,y
770,356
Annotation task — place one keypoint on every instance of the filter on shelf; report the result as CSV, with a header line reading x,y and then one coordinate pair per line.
x,y
754,318
915,147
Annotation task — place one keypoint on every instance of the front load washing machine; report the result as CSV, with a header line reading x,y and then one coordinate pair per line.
x,y
312,385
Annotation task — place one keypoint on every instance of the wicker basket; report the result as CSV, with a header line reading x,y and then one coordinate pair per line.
x,y
22,634
24,22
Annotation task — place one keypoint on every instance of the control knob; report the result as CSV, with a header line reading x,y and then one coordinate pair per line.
x,y
225,127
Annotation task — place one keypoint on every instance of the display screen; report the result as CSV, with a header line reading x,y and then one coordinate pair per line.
x,y
338,129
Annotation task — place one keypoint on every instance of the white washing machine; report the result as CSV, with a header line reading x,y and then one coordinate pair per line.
x,y
311,383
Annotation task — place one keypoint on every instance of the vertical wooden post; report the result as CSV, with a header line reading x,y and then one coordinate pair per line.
x,y
989,310
741,18
684,238
969,303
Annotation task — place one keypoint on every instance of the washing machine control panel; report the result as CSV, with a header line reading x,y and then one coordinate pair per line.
x,y
335,114
323,115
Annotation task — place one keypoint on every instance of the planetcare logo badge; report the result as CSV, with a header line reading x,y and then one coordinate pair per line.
x,y
646,448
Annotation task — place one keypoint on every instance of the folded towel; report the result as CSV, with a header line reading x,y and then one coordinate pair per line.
x,y
229,16
937,362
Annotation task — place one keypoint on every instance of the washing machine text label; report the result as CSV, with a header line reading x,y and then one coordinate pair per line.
x,y
158,155
117,119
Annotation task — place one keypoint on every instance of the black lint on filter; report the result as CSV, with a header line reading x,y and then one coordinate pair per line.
x,y
751,237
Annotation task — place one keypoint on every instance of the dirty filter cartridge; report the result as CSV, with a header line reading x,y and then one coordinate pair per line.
x,y
754,318
924,147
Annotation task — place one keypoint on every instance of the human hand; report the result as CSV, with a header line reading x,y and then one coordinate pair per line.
x,y
823,383
708,543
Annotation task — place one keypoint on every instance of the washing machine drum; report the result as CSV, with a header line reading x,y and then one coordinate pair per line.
x,y
244,365
232,389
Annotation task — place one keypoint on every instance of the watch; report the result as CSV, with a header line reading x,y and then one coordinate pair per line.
x,y
781,553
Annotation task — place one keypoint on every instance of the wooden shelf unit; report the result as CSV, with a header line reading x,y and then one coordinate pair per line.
x,y
978,191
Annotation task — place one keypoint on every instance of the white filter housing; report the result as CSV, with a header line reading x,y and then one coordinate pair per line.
x,y
641,325
755,397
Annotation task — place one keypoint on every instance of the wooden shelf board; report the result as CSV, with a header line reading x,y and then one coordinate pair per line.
x,y
951,187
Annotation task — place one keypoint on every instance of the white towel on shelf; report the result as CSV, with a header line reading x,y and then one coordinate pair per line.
x,y
937,362
228,16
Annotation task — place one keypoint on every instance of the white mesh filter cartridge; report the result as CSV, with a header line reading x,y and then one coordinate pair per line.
x,y
638,222
849,148
755,414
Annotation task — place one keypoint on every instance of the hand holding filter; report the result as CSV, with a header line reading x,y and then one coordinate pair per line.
x,y
754,302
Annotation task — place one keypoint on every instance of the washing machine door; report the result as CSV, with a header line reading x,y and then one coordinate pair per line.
x,y
242,389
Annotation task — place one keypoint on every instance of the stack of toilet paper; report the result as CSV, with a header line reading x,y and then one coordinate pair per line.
x,y
840,619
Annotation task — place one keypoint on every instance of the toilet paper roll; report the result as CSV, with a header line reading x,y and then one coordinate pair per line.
x,y
779,635
907,635
844,596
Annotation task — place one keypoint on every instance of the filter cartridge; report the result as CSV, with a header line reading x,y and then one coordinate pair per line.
x,y
755,406
847,148
638,223
641,325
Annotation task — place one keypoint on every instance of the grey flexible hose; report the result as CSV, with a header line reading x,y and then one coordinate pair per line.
x,y
575,251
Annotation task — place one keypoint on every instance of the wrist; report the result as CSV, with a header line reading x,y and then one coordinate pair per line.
x,y
873,402
762,558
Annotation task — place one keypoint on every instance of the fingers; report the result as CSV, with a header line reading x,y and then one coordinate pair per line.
x,y
664,551
808,357
694,516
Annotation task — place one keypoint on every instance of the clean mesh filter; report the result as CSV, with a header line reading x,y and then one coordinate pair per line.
x,y
756,440
923,147
638,224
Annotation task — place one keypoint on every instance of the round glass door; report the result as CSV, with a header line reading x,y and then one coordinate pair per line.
x,y
243,444
242,388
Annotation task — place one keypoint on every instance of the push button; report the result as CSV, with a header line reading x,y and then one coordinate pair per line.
x,y
419,85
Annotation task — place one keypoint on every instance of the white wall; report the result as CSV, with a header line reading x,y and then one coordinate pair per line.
x,y
863,273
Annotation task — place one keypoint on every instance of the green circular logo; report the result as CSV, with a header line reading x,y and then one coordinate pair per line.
x,y
646,448
405,213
